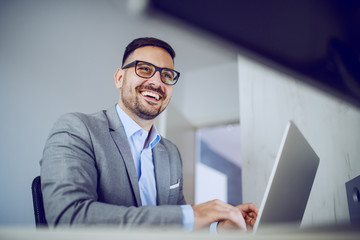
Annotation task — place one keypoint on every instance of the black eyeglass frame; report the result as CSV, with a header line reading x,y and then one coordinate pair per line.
x,y
157,69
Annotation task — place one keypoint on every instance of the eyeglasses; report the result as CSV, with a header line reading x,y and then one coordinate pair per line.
x,y
147,70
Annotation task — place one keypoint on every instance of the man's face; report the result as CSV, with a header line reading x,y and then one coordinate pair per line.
x,y
144,97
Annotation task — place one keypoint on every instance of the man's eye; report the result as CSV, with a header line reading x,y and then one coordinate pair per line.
x,y
168,75
147,69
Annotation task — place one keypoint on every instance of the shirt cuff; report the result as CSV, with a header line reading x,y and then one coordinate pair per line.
x,y
213,228
188,218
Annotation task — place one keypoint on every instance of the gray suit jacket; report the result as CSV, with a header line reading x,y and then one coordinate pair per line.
x,y
88,175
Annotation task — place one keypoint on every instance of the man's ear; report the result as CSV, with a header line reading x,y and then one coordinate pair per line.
x,y
119,75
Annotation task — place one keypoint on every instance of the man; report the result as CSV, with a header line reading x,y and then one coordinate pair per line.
x,y
112,167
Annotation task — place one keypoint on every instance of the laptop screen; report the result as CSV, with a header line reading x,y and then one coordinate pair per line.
x,y
290,182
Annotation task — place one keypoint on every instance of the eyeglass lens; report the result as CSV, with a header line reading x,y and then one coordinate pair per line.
x,y
147,70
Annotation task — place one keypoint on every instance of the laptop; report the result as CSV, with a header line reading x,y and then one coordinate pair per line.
x,y
290,182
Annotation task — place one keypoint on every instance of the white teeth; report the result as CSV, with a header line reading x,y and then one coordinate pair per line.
x,y
151,94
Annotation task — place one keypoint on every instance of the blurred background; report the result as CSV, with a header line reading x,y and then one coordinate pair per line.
x,y
247,67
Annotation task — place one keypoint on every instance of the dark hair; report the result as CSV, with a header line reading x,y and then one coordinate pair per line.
x,y
147,41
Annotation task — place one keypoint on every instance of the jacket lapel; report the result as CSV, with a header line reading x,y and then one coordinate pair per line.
x,y
162,173
119,136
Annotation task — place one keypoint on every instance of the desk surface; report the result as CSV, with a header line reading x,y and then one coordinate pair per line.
x,y
159,234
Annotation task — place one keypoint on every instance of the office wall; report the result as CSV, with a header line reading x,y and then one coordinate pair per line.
x,y
208,95
55,57
268,99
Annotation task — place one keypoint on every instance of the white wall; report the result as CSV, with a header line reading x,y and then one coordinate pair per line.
x,y
268,99
209,95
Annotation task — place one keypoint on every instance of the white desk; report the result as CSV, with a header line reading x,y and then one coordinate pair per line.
x,y
91,233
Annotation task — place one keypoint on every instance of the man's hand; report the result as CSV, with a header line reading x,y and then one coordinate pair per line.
x,y
249,212
219,211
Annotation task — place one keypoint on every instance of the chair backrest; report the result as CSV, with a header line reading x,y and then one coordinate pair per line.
x,y
39,211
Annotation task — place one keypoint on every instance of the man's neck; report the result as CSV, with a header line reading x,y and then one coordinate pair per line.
x,y
143,123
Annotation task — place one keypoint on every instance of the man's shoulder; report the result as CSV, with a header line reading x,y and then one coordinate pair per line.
x,y
79,120
73,117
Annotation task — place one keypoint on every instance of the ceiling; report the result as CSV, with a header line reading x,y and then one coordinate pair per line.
x,y
318,41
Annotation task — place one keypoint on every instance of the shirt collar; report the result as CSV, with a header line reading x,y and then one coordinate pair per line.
x,y
131,127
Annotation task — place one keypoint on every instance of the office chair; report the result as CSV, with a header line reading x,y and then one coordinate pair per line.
x,y
39,211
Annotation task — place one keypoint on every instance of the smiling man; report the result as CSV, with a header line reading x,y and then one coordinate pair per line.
x,y
113,167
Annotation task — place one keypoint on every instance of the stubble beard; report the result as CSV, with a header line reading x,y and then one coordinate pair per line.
x,y
139,109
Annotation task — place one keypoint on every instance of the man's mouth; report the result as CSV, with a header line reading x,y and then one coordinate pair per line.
x,y
151,95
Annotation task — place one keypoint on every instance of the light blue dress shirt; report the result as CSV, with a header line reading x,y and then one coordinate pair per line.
x,y
143,159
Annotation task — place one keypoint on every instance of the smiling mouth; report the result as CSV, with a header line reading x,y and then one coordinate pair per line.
x,y
151,95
